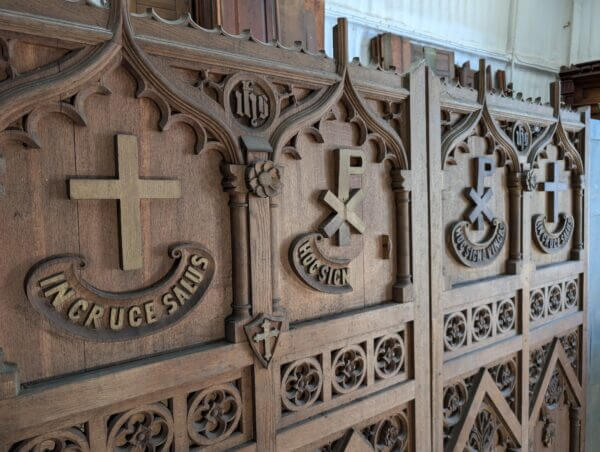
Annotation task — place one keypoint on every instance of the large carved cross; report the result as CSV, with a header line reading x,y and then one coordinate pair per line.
x,y
264,336
350,161
553,187
129,189
480,195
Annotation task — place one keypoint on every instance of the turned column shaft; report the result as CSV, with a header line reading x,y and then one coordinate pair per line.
x,y
238,204
578,214
515,191
402,201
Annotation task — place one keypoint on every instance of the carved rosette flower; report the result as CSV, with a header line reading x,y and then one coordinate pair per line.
x,y
554,299
67,440
529,180
455,397
214,414
389,356
554,391
483,436
482,323
263,178
506,316
147,428
301,384
571,294
536,306
455,330
349,365
389,434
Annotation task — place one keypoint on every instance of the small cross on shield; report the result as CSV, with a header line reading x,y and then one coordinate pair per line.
x,y
263,335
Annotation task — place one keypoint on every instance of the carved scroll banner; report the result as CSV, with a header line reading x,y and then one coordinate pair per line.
x,y
57,291
553,242
315,268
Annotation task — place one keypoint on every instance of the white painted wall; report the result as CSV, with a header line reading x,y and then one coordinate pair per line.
x,y
530,39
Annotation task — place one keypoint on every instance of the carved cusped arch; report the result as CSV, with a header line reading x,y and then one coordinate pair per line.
x,y
34,95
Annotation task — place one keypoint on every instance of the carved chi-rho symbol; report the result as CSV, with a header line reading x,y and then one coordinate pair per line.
x,y
350,161
553,187
481,195
248,104
129,189
264,336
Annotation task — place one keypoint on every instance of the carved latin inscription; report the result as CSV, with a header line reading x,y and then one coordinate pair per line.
x,y
553,242
478,254
57,291
315,269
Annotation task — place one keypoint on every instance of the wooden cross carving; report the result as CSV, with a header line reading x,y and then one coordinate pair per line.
x,y
553,187
129,189
264,336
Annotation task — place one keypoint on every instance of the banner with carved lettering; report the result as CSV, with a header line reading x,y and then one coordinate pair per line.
x,y
56,290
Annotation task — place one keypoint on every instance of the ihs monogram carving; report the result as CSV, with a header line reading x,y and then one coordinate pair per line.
x,y
250,104
345,203
263,336
553,241
468,252
128,189
521,136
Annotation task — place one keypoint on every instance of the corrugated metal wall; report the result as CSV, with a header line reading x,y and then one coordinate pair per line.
x,y
530,39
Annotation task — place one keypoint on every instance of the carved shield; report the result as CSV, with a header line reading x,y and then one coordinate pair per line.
x,y
263,336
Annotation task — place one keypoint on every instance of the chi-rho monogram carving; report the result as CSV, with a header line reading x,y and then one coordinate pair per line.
x,y
344,205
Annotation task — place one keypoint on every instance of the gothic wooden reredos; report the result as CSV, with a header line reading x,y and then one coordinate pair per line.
x,y
208,205
508,269
217,243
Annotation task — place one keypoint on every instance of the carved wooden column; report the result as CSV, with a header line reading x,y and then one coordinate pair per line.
x,y
578,186
515,190
234,184
575,427
402,292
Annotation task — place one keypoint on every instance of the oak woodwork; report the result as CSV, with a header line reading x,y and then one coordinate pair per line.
x,y
323,255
